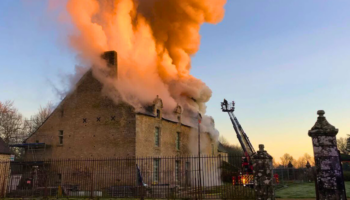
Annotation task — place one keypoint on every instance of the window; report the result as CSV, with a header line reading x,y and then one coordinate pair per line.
x,y
177,170
62,112
158,113
156,170
61,137
178,141
157,137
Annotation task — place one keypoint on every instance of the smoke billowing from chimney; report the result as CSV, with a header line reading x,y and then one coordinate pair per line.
x,y
154,40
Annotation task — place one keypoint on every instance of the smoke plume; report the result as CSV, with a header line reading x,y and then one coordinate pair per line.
x,y
154,39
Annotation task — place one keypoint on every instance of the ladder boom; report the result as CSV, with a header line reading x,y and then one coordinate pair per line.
x,y
245,137
241,135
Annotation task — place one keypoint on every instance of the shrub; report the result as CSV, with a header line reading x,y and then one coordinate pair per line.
x,y
346,175
227,172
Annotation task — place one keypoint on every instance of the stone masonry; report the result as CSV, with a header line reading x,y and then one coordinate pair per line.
x,y
93,126
88,124
329,174
263,175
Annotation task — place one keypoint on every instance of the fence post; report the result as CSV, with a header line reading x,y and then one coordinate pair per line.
x,y
329,175
263,175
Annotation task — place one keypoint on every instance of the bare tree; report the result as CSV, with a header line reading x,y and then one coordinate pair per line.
x,y
14,129
309,158
35,121
11,122
301,162
286,158
341,144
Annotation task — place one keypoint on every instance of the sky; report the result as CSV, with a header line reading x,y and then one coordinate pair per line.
x,y
280,61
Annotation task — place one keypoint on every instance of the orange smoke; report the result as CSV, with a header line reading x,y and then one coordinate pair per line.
x,y
154,39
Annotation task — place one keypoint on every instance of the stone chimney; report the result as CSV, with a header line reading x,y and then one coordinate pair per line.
x,y
111,58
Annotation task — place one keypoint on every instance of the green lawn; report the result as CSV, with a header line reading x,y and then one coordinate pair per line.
x,y
292,191
303,190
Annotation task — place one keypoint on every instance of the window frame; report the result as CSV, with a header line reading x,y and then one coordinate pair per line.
x,y
60,137
157,136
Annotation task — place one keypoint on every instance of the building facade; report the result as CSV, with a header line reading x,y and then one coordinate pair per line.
x,y
89,125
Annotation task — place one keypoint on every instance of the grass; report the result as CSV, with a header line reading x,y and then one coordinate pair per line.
x,y
303,190
292,191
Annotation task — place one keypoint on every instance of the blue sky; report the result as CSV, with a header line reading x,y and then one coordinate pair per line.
x,y
281,61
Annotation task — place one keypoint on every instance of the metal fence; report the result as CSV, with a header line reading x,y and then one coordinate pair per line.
x,y
207,177
295,175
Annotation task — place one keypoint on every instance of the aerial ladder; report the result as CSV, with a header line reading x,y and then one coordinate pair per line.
x,y
243,139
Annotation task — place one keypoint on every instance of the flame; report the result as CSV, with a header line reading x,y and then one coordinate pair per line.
x,y
154,39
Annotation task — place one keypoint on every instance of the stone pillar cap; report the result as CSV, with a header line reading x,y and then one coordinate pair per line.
x,y
322,127
261,154
321,113
261,147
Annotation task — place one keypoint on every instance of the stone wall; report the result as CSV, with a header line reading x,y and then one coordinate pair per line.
x,y
145,138
96,175
4,173
93,126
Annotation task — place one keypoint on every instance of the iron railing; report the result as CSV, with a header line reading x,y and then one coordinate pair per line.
x,y
295,175
147,177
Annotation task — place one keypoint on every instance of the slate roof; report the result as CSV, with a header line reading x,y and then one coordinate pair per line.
x,y
4,148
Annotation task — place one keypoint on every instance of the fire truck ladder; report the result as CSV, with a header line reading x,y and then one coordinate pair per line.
x,y
241,135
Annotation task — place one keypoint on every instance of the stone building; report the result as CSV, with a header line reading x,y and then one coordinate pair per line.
x,y
4,166
87,124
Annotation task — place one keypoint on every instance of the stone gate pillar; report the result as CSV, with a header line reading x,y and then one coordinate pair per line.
x,y
263,175
329,175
